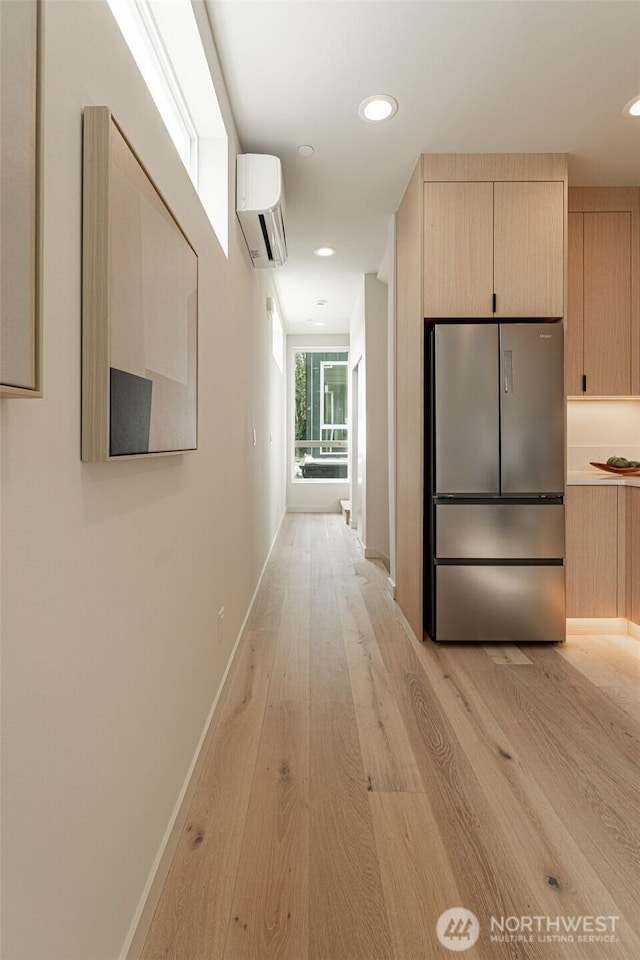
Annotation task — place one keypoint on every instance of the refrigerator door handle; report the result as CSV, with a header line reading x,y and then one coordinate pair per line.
x,y
508,371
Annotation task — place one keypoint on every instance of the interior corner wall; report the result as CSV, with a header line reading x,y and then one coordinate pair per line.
x,y
358,421
391,410
310,496
113,574
370,470
377,443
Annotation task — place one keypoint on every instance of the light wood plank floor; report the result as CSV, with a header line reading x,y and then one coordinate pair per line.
x,y
359,783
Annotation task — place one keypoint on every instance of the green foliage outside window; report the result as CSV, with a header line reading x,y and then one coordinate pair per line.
x,y
301,396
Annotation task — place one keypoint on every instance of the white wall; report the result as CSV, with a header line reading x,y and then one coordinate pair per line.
x,y
599,429
356,329
377,466
310,496
387,274
113,574
358,417
369,337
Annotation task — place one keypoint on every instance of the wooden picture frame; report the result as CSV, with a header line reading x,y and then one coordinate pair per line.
x,y
21,50
139,307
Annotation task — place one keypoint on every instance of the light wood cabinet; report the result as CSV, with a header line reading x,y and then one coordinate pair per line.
x,y
592,551
633,532
445,264
607,303
529,249
603,315
458,249
603,551
574,330
493,249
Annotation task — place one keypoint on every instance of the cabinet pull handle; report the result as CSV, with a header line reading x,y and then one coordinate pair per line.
x,y
584,383
495,303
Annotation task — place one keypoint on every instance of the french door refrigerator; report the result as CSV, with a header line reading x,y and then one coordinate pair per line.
x,y
494,482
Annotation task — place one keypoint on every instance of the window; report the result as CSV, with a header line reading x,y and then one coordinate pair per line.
x,y
277,333
321,415
334,397
165,42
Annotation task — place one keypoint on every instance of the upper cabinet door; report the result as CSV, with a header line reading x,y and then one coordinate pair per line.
x,y
529,249
458,250
607,303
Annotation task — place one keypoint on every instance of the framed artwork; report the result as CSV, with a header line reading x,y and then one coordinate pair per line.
x,y
139,307
20,199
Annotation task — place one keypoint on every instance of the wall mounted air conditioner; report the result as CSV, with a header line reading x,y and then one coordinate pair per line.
x,y
260,208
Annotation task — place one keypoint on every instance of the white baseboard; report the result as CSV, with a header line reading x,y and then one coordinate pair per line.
x,y
328,508
391,586
371,554
143,916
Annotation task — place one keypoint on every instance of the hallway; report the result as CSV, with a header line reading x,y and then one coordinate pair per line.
x,y
358,784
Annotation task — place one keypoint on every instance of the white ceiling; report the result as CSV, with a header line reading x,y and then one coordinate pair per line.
x,y
505,76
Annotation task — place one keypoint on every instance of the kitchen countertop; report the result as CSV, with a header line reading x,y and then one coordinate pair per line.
x,y
585,477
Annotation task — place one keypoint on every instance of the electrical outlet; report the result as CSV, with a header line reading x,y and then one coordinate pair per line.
x,y
221,624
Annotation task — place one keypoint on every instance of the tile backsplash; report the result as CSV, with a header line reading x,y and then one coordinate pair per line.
x,y
599,429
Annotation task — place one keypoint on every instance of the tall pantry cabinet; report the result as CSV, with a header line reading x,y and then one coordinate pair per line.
x,y
603,309
477,236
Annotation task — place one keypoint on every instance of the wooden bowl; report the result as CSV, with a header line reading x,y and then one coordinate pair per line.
x,y
619,470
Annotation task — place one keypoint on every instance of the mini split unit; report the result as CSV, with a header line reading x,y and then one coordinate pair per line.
x,y
260,208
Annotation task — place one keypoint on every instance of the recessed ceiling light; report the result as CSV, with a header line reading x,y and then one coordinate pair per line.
x,y
321,303
378,108
324,251
632,109
306,150
319,323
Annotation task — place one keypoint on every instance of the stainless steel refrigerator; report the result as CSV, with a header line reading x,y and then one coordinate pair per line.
x,y
494,482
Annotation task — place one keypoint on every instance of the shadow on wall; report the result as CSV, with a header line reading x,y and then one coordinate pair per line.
x,y
110,490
